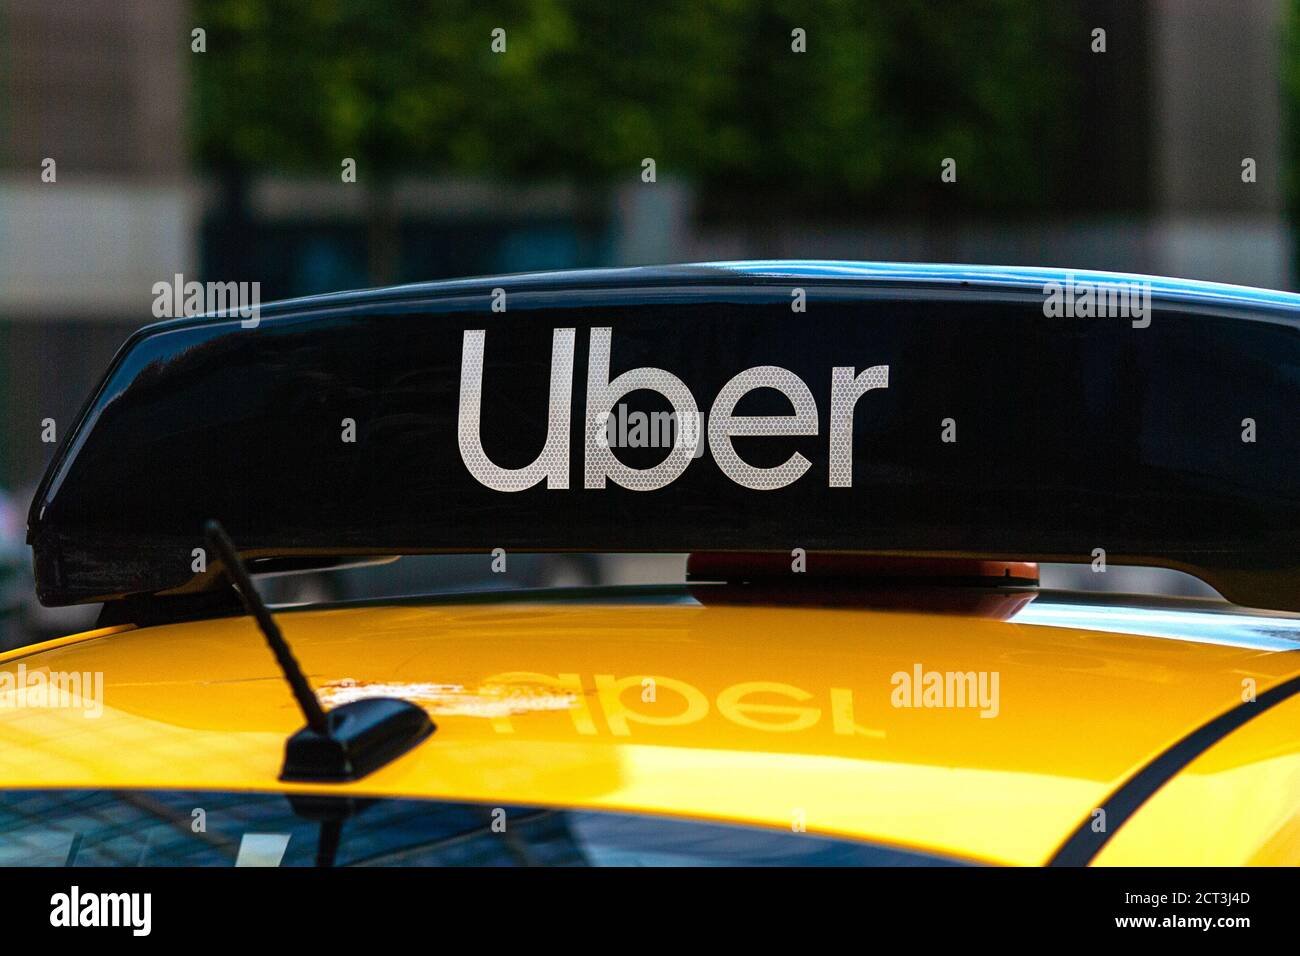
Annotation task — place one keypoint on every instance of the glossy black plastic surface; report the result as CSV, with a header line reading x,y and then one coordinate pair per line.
x,y
1073,434
364,735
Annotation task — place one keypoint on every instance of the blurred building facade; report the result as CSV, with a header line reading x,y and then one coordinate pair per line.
x,y
99,87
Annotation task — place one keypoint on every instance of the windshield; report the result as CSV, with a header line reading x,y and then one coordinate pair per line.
x,y
205,828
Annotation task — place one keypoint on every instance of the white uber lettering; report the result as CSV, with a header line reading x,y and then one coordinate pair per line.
x,y
601,464
602,394
724,425
553,462
845,392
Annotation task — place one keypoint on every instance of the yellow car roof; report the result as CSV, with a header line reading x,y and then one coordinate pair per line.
x,y
782,717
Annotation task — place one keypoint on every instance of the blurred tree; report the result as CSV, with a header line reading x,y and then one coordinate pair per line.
x,y
710,88
1291,106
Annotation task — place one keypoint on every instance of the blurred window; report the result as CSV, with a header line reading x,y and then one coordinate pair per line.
x,y
182,828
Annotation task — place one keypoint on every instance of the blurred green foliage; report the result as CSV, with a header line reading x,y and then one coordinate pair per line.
x,y
710,88
1291,106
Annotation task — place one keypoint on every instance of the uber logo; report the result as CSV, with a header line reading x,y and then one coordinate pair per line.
x,y
601,464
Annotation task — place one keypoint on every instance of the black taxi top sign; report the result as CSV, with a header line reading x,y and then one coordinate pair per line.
x,y
1011,414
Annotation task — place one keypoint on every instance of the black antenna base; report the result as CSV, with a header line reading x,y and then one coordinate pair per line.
x,y
345,743
363,736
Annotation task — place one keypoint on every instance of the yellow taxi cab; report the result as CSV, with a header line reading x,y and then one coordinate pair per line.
x,y
865,462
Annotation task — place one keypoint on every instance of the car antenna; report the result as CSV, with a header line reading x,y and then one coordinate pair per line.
x,y
337,745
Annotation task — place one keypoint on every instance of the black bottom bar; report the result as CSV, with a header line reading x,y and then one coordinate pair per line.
x,y
1151,907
